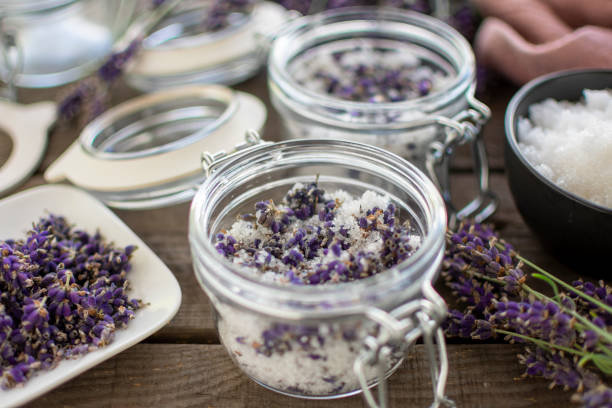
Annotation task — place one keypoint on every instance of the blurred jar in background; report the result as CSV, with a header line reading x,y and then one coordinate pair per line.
x,y
46,43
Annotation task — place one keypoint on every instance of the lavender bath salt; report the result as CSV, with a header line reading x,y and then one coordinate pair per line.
x,y
370,72
314,238
571,144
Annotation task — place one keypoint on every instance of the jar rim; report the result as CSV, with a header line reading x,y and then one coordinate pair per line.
x,y
218,105
284,44
348,297
27,6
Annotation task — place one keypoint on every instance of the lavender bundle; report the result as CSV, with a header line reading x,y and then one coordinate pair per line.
x,y
62,293
567,335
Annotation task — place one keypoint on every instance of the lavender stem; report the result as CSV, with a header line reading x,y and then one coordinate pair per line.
x,y
560,282
542,343
586,322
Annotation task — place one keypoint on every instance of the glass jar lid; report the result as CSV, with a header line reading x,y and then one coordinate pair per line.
x,y
181,49
146,152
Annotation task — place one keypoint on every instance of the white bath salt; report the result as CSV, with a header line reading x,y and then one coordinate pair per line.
x,y
571,144
346,242
312,361
342,238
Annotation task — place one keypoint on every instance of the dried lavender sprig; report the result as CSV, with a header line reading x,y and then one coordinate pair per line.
x,y
472,253
566,285
90,94
486,259
586,323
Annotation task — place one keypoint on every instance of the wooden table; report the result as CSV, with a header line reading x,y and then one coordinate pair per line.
x,y
183,365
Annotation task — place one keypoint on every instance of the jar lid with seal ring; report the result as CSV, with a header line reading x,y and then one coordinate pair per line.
x,y
183,48
146,152
392,78
312,336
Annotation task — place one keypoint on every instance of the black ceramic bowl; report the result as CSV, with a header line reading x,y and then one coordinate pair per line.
x,y
576,230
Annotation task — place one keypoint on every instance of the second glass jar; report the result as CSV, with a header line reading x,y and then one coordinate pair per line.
x,y
425,130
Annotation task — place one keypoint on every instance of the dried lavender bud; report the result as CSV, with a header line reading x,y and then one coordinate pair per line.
x,y
536,319
62,293
598,397
314,238
561,370
113,68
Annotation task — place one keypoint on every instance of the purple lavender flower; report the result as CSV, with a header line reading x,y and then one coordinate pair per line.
x,y
62,292
487,277
303,228
598,397
113,68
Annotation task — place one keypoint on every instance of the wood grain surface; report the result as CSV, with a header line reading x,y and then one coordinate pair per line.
x,y
183,364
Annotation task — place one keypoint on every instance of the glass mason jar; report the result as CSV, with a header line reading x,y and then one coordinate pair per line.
x,y
47,43
332,340
426,130
145,153
182,49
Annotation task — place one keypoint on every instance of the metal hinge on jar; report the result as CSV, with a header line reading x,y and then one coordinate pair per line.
x,y
461,129
211,161
418,318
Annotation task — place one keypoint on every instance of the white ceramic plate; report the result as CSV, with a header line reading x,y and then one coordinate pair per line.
x,y
150,279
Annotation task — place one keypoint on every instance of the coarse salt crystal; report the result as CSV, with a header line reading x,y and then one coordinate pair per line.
x,y
571,144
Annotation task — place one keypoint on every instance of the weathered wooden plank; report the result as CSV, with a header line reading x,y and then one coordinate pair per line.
x,y
156,375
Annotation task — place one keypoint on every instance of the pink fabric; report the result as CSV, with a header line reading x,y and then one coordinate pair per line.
x,y
524,39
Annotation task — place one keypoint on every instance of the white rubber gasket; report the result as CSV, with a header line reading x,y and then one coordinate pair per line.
x,y
27,126
216,50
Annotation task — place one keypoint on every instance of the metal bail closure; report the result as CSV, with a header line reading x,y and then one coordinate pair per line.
x,y
210,162
146,152
404,325
464,127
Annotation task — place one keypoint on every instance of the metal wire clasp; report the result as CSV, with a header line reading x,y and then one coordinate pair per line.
x,y
464,128
418,318
210,161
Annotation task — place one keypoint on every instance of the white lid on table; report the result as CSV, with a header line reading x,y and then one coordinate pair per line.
x,y
146,152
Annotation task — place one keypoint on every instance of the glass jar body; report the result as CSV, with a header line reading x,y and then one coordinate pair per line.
x,y
57,42
423,125
307,359
396,126
304,341
411,141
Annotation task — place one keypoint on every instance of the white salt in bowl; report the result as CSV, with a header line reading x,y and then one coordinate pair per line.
x,y
576,230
